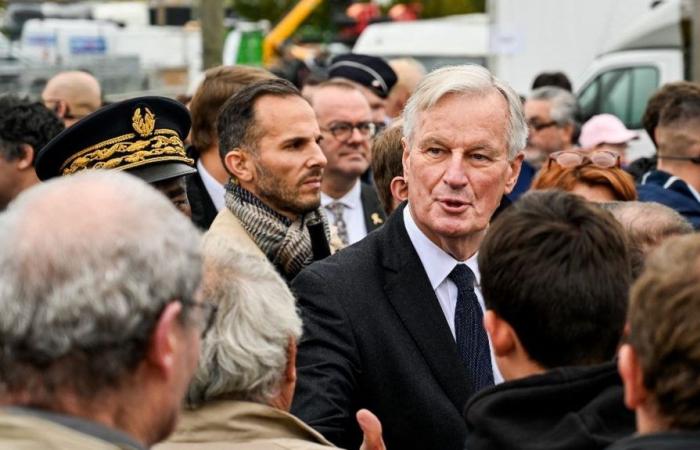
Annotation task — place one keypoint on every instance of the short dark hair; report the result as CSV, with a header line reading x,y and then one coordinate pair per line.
x,y
664,330
557,269
666,94
680,110
23,122
387,163
218,85
558,79
236,124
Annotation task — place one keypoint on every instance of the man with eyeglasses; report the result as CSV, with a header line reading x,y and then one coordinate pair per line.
x,y
372,75
102,315
346,124
72,95
550,113
676,180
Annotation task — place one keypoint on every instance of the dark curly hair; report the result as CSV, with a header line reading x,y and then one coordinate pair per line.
x,y
23,122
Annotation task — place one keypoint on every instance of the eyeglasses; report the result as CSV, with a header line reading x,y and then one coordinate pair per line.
x,y
572,158
343,130
208,314
537,126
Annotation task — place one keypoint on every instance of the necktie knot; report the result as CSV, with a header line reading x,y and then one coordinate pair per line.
x,y
337,209
462,276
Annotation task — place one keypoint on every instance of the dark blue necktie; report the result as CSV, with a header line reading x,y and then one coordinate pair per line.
x,y
470,335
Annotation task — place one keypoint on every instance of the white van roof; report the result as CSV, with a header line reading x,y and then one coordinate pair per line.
x,y
658,28
465,35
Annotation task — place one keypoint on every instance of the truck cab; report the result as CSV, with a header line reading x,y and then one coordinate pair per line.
x,y
645,56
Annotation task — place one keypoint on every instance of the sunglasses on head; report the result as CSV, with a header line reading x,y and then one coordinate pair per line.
x,y
574,158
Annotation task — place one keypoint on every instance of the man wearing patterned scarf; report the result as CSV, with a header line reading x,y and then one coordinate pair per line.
x,y
268,141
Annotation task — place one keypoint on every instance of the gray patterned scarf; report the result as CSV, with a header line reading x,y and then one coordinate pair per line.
x,y
286,243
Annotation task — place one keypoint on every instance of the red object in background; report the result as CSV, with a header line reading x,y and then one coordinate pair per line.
x,y
405,12
362,14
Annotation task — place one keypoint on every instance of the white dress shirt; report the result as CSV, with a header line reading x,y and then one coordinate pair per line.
x,y
353,215
215,189
438,264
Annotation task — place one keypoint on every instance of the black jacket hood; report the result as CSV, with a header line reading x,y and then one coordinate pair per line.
x,y
567,408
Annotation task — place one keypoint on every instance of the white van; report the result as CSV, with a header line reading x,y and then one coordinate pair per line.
x,y
459,39
643,57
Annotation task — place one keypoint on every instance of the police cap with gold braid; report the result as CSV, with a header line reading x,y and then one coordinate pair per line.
x,y
143,136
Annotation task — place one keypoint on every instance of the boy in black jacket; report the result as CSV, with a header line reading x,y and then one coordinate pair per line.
x,y
555,271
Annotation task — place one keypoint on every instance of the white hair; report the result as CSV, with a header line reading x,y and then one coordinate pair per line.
x,y
471,80
245,354
87,262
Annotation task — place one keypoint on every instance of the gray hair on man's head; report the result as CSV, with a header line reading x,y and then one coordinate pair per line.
x,y
470,80
564,107
87,263
245,354
647,225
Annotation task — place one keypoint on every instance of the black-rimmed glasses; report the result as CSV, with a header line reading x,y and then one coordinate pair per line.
x,y
208,314
573,158
342,131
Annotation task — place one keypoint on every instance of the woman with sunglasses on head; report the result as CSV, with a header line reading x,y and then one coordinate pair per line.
x,y
595,175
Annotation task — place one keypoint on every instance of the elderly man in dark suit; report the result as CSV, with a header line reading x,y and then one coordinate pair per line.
x,y
394,323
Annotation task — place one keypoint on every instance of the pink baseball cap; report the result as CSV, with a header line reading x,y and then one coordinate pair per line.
x,y
604,129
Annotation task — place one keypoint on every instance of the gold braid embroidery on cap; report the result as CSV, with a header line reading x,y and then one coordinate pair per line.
x,y
123,151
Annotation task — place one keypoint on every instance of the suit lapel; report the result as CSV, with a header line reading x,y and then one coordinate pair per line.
x,y
371,208
410,293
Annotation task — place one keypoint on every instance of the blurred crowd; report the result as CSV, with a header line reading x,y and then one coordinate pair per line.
x,y
366,256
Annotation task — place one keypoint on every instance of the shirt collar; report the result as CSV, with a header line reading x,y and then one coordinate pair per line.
x,y
215,189
437,263
350,200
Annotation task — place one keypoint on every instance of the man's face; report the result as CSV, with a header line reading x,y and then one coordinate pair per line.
x,y
10,181
176,190
545,134
188,334
288,160
336,110
376,104
457,167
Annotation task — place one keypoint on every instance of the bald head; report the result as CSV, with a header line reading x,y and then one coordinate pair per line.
x,y
409,72
72,95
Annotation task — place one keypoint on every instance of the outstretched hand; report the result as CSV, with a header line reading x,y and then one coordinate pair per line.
x,y
371,430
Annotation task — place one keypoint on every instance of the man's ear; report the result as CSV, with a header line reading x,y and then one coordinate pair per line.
x,y
399,189
60,108
502,335
513,172
26,161
240,164
164,341
632,377
291,369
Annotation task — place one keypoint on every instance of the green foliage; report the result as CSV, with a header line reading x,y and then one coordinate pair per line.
x,y
272,10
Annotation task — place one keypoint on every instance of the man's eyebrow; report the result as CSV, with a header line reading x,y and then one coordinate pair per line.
x,y
295,140
431,140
